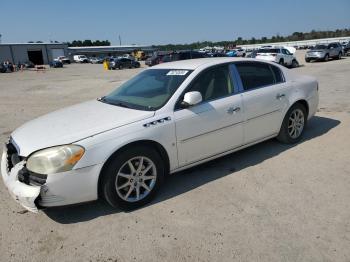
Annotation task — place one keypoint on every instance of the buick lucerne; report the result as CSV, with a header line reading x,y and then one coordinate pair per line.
x,y
165,119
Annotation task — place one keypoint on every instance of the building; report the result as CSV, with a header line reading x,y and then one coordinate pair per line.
x,y
37,53
103,51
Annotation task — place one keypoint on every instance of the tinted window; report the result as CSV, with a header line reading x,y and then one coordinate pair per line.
x,y
213,83
277,74
269,50
254,75
320,47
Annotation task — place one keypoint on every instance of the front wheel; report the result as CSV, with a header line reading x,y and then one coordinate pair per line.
x,y
326,58
293,125
133,177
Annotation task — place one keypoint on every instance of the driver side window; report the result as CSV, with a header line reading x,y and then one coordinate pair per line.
x,y
213,83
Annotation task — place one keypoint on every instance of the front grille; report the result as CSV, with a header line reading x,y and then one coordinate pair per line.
x,y
13,158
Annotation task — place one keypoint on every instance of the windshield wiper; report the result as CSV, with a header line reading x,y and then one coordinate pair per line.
x,y
121,104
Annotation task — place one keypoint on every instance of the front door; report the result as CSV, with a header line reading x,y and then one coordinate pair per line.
x,y
213,126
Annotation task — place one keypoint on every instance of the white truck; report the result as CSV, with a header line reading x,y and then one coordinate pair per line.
x,y
80,59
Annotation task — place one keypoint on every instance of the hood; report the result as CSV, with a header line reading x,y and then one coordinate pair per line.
x,y
72,124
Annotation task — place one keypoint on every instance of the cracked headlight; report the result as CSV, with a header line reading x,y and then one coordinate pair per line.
x,y
55,159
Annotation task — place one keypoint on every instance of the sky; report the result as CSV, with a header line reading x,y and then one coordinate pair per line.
x,y
162,22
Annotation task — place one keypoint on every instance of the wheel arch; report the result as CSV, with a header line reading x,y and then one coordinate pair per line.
x,y
151,143
302,102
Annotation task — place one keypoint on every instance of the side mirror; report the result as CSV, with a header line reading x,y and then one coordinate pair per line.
x,y
191,99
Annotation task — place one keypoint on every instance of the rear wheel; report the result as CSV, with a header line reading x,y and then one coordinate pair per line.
x,y
133,177
295,64
339,56
293,125
307,60
281,62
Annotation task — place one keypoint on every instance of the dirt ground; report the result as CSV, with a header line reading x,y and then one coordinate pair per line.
x,y
270,202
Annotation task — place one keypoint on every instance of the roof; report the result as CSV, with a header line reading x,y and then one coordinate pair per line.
x,y
33,44
192,64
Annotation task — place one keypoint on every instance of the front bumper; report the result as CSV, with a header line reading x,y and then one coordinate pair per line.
x,y
24,194
75,186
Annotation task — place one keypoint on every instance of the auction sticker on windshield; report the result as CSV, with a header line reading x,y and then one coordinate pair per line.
x,y
177,72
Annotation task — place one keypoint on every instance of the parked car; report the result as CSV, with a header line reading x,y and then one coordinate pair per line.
x,y
323,52
96,60
346,49
278,55
182,55
131,57
237,52
56,64
165,119
252,54
3,69
156,57
80,59
216,54
63,59
120,63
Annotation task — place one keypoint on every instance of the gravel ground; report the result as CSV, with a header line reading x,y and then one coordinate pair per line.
x,y
270,202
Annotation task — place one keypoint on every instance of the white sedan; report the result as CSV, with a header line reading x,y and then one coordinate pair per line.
x,y
165,119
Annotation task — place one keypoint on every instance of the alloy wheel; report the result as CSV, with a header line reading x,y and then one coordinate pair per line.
x,y
296,123
136,179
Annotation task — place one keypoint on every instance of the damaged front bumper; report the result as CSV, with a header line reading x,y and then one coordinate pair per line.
x,y
26,195
35,191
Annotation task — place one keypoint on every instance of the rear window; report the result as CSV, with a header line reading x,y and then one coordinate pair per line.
x,y
255,75
320,47
269,50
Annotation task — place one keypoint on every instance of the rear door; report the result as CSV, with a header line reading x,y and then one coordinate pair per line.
x,y
264,96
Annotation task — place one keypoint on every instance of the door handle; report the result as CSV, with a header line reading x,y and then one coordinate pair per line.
x,y
279,96
232,110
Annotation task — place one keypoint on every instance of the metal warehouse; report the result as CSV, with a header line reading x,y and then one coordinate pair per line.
x,y
102,51
37,53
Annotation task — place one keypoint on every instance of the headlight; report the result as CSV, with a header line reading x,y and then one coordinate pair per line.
x,y
55,159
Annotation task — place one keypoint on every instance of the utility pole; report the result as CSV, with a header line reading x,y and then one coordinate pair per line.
x,y
120,40
0,38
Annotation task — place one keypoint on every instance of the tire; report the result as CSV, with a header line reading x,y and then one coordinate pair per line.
x,y
339,56
307,60
326,58
281,62
118,173
295,64
286,134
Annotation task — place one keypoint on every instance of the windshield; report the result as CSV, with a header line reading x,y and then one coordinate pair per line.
x,y
149,90
320,47
268,50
